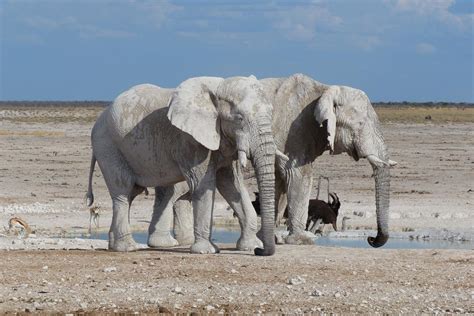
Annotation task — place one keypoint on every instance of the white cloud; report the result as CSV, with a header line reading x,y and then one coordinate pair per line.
x,y
436,8
84,30
155,11
425,49
303,22
424,6
368,43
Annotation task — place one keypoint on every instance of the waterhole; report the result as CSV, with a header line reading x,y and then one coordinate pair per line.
x,y
231,236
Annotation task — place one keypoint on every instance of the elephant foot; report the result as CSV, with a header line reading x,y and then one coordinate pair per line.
x,y
161,241
204,246
299,239
249,243
185,240
123,244
278,238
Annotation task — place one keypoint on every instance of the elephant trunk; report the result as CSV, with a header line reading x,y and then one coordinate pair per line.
x,y
263,161
382,201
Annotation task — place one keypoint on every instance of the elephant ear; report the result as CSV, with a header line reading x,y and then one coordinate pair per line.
x,y
324,112
192,109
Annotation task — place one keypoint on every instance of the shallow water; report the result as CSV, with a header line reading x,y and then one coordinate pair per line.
x,y
231,236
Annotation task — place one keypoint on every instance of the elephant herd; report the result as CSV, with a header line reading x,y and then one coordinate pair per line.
x,y
189,141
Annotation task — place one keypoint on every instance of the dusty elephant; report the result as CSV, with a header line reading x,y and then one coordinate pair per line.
x,y
310,117
142,140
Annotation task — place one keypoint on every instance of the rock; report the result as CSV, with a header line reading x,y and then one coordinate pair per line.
x,y
45,268
178,290
233,271
110,269
316,293
459,310
337,295
297,280
210,308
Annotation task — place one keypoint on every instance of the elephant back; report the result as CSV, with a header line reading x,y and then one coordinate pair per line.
x,y
133,106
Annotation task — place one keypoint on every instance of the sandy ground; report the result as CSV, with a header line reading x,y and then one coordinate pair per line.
x,y
45,157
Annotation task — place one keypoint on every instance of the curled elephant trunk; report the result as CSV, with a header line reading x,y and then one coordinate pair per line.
x,y
382,203
263,160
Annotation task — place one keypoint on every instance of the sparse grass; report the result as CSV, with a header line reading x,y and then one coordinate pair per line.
x,y
47,114
39,133
88,115
419,114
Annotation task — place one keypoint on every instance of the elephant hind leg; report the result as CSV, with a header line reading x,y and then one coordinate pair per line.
x,y
120,235
120,183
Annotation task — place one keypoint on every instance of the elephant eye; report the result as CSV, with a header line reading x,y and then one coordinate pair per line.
x,y
239,118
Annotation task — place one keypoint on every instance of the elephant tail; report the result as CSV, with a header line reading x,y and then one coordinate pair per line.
x,y
90,195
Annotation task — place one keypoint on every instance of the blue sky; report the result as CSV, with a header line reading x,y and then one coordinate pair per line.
x,y
395,50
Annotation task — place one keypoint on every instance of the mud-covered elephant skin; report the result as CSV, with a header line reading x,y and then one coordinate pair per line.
x,y
155,137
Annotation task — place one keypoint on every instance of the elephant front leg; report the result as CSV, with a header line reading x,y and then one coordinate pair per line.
x,y
203,207
183,221
298,194
159,235
120,235
230,183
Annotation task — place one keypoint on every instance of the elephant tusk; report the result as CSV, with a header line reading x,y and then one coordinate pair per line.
x,y
374,160
242,158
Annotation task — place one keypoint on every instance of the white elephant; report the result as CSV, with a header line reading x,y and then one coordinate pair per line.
x,y
143,140
308,118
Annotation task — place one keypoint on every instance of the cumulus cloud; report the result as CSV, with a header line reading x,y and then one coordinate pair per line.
x,y
368,43
73,24
425,48
304,21
436,8
157,12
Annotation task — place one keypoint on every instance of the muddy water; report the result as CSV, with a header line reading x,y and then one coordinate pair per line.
x,y
231,236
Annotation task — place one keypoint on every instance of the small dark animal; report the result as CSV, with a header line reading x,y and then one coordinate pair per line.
x,y
323,212
319,212
256,203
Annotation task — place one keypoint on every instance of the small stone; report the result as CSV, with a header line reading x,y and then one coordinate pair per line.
x,y
45,268
458,310
83,305
337,295
110,269
37,306
317,293
178,290
233,271
210,308
297,280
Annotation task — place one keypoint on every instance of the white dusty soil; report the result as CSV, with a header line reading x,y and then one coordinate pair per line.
x,y
44,169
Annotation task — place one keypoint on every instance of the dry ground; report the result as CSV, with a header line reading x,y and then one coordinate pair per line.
x,y
45,154
297,279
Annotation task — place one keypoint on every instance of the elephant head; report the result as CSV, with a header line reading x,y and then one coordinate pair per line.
x,y
352,126
234,117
